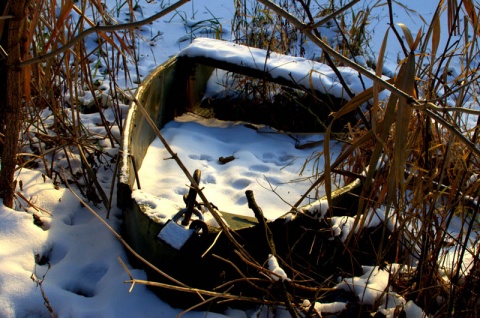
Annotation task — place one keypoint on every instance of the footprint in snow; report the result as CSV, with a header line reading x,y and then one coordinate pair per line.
x,y
209,179
51,254
259,168
77,218
269,157
201,157
84,281
240,184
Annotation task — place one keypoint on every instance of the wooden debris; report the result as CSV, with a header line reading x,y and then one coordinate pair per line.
x,y
224,160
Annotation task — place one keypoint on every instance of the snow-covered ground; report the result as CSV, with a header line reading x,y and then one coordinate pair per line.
x,y
71,262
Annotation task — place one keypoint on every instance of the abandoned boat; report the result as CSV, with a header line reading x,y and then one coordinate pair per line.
x,y
199,248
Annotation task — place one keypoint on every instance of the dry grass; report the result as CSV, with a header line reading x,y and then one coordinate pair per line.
x,y
78,81
425,181
420,155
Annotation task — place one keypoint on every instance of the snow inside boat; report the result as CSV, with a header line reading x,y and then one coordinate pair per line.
x,y
189,244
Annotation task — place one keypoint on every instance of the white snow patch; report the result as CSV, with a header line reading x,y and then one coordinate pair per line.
x,y
318,208
368,287
275,268
158,209
343,225
372,288
330,308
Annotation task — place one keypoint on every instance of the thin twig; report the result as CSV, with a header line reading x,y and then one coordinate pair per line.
x,y
46,301
135,171
252,204
206,301
213,244
240,272
112,185
267,272
239,280
93,176
31,204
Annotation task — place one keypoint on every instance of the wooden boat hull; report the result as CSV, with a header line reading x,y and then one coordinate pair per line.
x,y
176,87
